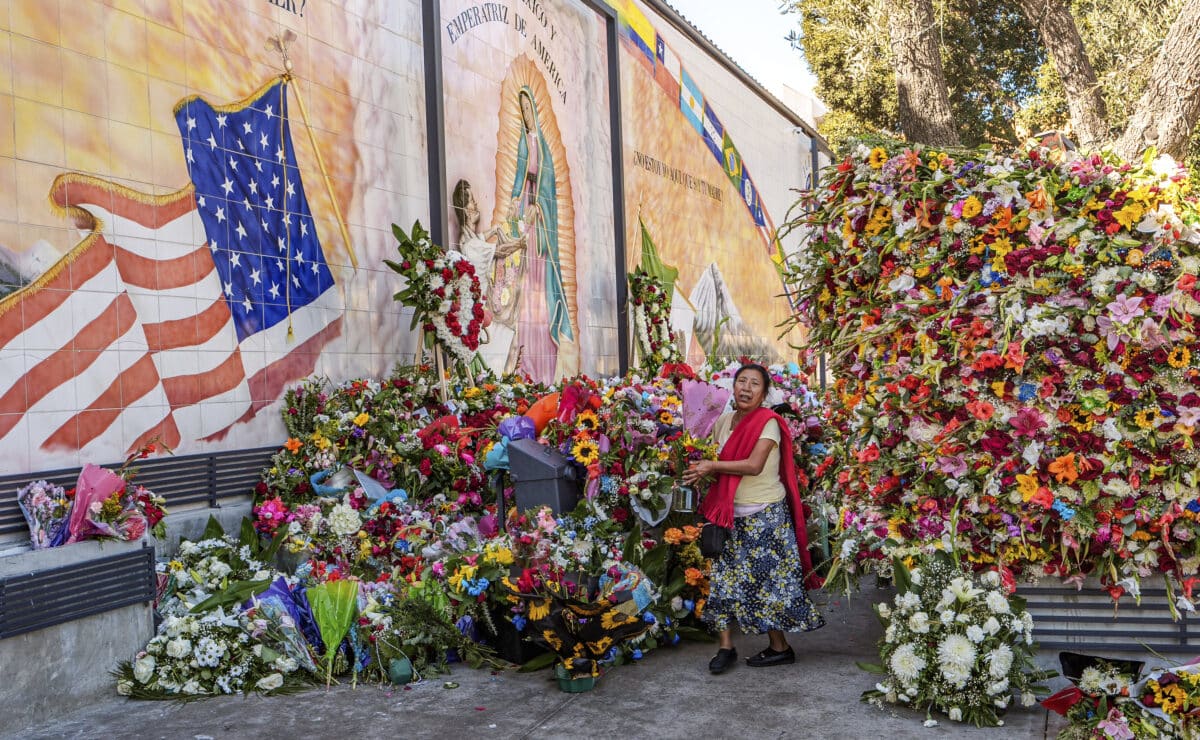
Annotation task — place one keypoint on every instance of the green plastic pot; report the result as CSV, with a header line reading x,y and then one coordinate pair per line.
x,y
400,671
573,685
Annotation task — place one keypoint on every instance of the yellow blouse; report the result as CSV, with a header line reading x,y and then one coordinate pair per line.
x,y
764,488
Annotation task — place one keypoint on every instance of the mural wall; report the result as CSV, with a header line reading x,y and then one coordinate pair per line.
x,y
710,168
171,252
528,162
187,227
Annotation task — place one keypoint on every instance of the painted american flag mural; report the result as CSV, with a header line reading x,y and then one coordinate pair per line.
x,y
177,315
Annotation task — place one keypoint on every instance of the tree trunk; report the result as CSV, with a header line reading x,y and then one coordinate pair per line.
x,y
1085,99
1168,111
925,114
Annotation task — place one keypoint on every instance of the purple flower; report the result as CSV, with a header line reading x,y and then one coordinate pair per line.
x,y
953,465
1125,309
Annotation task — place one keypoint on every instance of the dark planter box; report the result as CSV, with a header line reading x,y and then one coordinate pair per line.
x,y
508,642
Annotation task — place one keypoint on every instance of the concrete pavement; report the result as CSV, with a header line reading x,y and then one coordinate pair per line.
x,y
669,694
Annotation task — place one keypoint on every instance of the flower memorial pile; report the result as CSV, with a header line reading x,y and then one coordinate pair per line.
x,y
384,485
956,643
1107,700
209,643
443,292
1014,340
103,505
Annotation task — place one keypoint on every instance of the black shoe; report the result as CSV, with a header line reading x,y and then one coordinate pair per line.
x,y
723,660
771,657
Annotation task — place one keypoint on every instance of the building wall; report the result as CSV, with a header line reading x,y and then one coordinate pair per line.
x,y
124,315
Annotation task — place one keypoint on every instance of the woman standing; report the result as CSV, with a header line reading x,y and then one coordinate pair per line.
x,y
759,579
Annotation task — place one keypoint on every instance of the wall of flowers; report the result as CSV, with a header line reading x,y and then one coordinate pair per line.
x,y
1013,346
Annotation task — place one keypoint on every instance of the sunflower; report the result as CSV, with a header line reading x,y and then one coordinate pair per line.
x,y
588,420
1179,357
1082,419
666,417
1145,418
585,451
601,646
877,157
538,609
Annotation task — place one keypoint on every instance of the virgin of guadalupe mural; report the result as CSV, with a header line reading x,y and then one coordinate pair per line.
x,y
534,293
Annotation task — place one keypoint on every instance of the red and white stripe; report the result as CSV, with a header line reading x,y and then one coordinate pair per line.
x,y
129,336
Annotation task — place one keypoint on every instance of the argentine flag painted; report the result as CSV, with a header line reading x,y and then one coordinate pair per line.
x,y
691,102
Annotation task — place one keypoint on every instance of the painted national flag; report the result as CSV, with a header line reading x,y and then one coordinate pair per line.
x,y
713,133
731,161
667,70
171,316
750,196
691,102
640,30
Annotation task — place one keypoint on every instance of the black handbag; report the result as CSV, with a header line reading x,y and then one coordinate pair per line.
x,y
713,539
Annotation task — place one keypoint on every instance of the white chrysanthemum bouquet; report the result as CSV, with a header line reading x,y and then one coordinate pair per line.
x,y
955,642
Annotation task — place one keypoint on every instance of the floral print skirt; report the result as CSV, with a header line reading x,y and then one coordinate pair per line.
x,y
757,579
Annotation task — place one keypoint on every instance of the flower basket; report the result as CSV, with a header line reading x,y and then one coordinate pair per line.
x,y
573,685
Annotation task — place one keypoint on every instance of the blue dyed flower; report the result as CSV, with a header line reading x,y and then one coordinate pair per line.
x,y
648,618
519,622
1065,511
1194,506
637,654
1026,392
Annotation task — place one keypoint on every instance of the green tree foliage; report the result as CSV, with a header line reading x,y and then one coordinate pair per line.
x,y
1003,87
990,56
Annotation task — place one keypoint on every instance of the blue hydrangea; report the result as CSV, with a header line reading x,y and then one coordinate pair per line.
x,y
1026,392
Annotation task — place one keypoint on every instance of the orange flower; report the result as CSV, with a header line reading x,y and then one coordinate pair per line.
x,y
693,576
1043,497
987,361
1063,469
1037,198
673,536
1014,358
690,533
293,445
981,410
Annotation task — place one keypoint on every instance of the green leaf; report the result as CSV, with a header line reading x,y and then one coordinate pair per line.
x,y
654,563
901,576
870,668
236,593
691,633
213,530
249,536
268,555
629,554
545,660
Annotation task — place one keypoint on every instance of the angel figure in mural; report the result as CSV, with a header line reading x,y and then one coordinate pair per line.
x,y
533,294
478,247
718,323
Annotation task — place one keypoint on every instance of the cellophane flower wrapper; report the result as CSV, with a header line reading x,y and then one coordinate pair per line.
x,y
47,511
702,404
